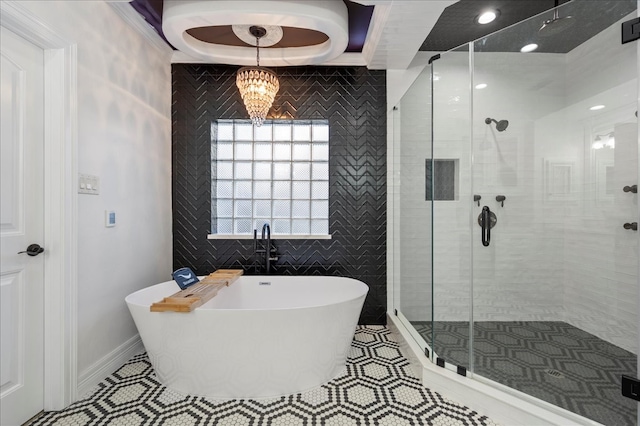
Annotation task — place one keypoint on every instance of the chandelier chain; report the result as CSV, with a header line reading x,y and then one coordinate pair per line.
x,y
258,50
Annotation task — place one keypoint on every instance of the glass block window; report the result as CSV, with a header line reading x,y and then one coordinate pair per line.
x,y
444,185
277,174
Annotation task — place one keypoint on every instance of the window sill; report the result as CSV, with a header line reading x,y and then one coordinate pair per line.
x,y
273,237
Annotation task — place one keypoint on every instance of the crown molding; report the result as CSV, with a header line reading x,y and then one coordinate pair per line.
x,y
138,23
377,26
349,59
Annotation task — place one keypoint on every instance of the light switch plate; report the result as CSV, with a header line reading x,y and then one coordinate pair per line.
x,y
88,184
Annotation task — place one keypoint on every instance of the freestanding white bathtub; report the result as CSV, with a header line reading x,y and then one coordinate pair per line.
x,y
253,339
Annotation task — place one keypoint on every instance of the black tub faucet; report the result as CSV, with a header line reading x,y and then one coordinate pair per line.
x,y
267,247
267,250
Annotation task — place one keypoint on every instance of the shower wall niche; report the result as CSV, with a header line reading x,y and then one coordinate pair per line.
x,y
546,141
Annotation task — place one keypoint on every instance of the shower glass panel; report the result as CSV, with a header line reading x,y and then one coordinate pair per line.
x,y
451,215
412,210
555,142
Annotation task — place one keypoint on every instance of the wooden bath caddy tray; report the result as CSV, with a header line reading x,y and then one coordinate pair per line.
x,y
190,298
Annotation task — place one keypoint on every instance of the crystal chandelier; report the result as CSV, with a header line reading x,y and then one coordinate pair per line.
x,y
258,85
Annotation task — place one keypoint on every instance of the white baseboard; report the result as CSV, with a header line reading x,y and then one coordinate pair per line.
x,y
92,376
501,404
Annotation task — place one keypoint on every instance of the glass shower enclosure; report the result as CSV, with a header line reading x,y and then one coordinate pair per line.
x,y
516,209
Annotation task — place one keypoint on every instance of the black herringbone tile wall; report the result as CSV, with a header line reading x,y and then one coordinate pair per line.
x,y
353,99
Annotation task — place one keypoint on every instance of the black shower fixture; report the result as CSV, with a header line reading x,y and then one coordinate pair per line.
x,y
557,24
501,125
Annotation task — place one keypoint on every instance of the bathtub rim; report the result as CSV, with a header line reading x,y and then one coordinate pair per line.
x,y
204,307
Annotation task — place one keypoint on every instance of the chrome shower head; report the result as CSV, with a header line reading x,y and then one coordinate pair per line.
x,y
501,125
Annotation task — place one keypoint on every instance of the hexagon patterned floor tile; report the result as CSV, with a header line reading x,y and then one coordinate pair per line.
x,y
378,388
553,361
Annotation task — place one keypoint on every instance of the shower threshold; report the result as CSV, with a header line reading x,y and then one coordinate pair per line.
x,y
552,361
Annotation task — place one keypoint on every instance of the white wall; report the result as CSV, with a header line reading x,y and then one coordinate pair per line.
x,y
503,165
517,276
124,137
452,240
601,282
414,218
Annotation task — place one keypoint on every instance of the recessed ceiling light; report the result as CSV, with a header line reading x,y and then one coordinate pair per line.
x,y
487,17
481,85
596,107
529,48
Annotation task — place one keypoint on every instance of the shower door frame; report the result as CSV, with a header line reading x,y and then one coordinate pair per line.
x,y
507,391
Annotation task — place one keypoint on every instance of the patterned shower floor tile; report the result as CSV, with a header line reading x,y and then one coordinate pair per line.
x,y
550,360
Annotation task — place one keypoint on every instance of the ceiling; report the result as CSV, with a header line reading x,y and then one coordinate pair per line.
x,y
359,18
456,26
387,34
452,29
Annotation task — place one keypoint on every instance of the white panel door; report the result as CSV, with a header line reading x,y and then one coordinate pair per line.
x,y
21,224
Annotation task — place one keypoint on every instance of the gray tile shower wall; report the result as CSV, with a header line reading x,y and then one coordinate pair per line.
x,y
353,99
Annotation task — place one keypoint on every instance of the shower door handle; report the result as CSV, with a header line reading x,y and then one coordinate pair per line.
x,y
487,220
486,226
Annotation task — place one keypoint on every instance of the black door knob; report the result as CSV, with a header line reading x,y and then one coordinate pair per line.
x,y
33,250
632,188
633,226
